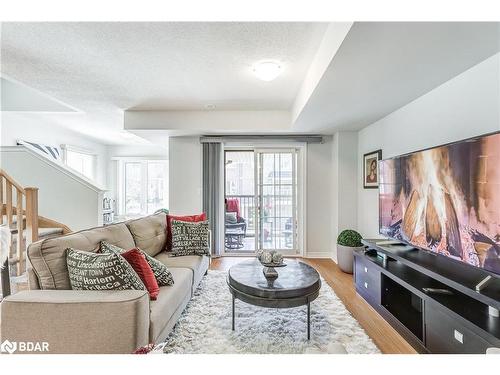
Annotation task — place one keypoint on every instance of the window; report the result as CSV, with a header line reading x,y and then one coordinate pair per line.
x,y
80,161
143,186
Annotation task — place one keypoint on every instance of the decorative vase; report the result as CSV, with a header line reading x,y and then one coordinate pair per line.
x,y
345,257
270,273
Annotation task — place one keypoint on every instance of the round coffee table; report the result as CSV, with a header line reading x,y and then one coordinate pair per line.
x,y
297,284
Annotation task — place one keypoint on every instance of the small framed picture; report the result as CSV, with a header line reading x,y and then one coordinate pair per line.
x,y
370,169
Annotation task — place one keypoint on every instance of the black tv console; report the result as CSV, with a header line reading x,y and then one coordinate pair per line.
x,y
392,279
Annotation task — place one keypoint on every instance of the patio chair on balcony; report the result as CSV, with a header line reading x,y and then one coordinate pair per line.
x,y
235,225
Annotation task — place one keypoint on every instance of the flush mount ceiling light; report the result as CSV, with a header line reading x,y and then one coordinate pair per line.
x,y
267,70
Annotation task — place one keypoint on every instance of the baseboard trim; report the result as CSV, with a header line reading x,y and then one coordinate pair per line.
x,y
318,254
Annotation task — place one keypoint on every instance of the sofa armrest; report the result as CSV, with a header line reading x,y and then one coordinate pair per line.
x,y
73,321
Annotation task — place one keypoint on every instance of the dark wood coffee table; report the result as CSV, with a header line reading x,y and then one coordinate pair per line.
x,y
298,284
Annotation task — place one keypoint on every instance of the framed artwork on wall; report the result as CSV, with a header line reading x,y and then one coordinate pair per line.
x,y
370,169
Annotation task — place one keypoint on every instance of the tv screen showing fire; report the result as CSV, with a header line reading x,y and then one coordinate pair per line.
x,y
446,200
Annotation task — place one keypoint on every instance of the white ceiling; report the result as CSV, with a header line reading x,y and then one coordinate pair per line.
x,y
164,74
16,97
105,68
382,66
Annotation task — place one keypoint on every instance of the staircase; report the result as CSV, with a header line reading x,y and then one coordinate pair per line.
x,y
22,225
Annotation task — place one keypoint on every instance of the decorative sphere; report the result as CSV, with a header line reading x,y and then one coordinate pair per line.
x,y
266,258
277,258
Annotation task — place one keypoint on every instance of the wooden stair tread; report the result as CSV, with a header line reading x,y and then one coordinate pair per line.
x,y
42,233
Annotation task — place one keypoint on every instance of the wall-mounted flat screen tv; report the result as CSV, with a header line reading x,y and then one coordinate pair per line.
x,y
446,200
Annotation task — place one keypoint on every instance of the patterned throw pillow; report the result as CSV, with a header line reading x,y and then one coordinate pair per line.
x,y
163,275
190,238
94,271
188,218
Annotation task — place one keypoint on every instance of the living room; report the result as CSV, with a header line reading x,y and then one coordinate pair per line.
x,y
295,185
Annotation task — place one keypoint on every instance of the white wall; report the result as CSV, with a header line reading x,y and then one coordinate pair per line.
x,y
185,186
185,160
146,151
466,106
343,186
37,128
319,198
61,196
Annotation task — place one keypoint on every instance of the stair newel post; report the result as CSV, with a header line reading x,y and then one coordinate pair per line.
x,y
31,215
20,229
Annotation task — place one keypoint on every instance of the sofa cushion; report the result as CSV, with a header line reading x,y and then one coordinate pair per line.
x,y
98,271
196,263
149,233
48,257
168,301
162,274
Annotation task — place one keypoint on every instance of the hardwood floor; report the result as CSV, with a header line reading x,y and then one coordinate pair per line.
x,y
384,336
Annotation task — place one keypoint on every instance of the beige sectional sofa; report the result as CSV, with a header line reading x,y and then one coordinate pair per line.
x,y
98,321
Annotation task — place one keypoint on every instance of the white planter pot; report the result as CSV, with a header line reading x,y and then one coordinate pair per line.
x,y
345,258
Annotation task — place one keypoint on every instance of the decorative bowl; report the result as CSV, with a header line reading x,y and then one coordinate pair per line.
x,y
282,264
270,258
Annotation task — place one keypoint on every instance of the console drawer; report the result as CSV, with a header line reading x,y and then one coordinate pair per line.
x,y
367,279
446,335
366,270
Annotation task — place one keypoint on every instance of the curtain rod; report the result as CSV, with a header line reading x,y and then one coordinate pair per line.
x,y
275,137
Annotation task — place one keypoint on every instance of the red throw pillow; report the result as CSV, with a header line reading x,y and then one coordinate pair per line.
x,y
140,265
189,219
144,349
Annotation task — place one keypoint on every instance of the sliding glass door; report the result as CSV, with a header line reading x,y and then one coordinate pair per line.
x,y
240,203
262,200
277,195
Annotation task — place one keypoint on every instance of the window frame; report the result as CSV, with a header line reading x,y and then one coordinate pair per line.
x,y
121,188
68,148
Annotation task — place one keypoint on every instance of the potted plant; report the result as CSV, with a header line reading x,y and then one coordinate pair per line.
x,y
347,241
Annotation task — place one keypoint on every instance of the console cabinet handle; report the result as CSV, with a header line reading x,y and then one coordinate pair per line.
x,y
366,285
458,336
366,269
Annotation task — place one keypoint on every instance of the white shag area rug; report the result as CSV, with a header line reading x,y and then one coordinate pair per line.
x,y
205,325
